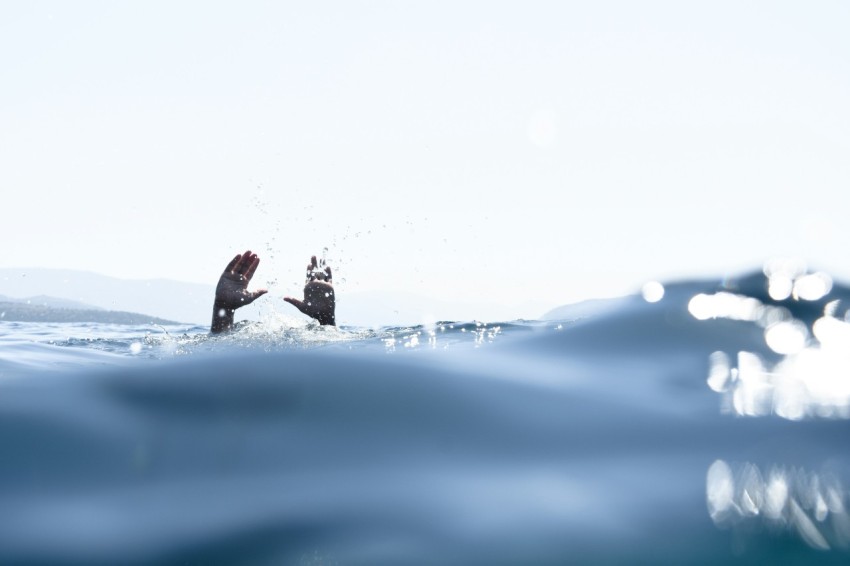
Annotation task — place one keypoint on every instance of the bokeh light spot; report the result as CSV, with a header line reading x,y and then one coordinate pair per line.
x,y
652,292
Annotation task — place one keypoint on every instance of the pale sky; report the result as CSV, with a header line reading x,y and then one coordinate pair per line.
x,y
482,151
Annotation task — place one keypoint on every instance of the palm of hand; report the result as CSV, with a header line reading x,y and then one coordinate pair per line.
x,y
232,289
319,299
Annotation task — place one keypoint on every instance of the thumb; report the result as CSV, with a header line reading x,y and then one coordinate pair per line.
x,y
257,294
248,297
296,303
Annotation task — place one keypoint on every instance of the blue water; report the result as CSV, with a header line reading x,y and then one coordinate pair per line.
x,y
707,427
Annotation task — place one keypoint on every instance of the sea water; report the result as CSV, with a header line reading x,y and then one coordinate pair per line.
x,y
703,422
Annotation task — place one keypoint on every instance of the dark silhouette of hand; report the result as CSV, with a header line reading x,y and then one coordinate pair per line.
x,y
232,290
319,298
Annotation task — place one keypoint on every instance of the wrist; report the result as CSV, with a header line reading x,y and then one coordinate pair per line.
x,y
222,318
221,305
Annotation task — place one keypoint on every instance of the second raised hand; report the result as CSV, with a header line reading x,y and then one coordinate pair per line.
x,y
319,298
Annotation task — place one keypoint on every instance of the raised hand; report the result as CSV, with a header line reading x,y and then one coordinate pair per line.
x,y
319,299
232,290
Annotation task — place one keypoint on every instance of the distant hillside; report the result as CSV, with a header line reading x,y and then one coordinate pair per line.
x,y
52,302
162,298
23,312
192,302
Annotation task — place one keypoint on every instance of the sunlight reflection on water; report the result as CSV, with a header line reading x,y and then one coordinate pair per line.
x,y
814,382
812,378
810,504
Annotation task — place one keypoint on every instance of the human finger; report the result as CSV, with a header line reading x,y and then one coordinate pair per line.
x,y
330,275
243,266
232,263
252,267
256,295
238,269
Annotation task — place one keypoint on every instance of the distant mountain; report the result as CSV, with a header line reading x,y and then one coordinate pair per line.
x,y
52,302
161,298
26,312
192,302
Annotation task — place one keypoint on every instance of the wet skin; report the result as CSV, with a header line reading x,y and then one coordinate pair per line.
x,y
232,292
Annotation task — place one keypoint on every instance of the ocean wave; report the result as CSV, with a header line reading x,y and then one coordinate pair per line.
x,y
586,438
